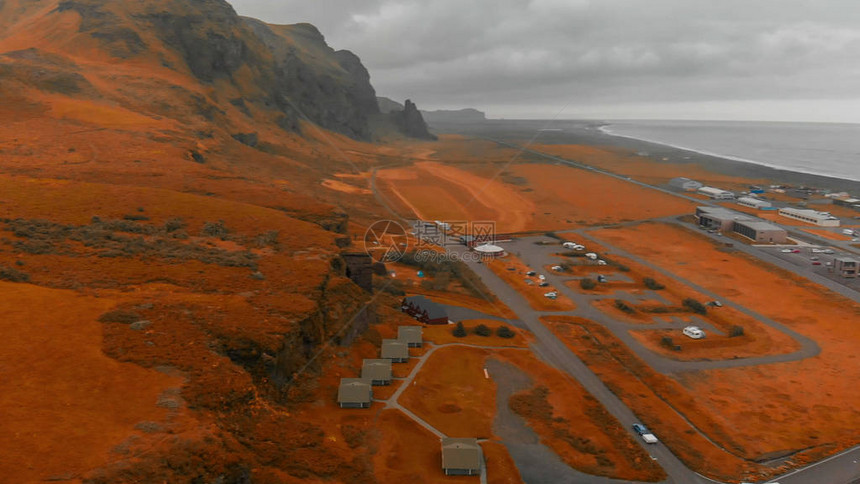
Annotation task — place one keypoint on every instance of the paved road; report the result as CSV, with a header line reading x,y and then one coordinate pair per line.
x,y
537,256
555,352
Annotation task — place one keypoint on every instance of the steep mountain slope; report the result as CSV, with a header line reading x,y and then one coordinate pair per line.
x,y
163,183
220,66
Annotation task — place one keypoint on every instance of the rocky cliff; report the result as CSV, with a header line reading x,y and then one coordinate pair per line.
x,y
441,116
272,74
410,122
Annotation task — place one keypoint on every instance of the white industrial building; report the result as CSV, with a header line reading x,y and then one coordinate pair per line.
x,y
716,193
822,219
682,183
754,203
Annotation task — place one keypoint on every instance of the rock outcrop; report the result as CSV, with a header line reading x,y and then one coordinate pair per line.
x,y
410,122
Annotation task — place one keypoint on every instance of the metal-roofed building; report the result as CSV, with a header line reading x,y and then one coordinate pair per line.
x,y
411,335
394,350
718,218
683,183
461,457
716,193
424,310
377,372
846,267
760,231
354,393
754,203
822,219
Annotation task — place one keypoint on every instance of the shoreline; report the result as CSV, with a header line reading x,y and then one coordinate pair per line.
x,y
605,129
587,132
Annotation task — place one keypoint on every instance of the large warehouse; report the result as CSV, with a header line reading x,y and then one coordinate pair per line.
x,y
760,231
822,219
726,220
754,203
716,193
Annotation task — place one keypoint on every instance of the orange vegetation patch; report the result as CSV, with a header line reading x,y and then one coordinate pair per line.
x,y
642,168
345,187
829,234
533,293
433,191
442,334
68,404
814,393
576,426
408,452
565,196
501,469
452,394
659,401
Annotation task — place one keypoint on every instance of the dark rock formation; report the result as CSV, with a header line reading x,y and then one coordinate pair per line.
x,y
359,269
411,123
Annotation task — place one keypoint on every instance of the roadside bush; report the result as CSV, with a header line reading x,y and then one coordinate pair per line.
x,y
623,306
666,341
695,306
652,284
459,330
504,332
482,330
736,331
587,284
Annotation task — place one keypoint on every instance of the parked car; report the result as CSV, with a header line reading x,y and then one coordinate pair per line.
x,y
786,251
542,277
557,268
646,434
816,263
543,284
601,262
714,303
795,251
551,295
531,273
694,332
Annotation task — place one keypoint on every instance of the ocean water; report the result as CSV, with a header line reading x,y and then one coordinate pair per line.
x,y
817,148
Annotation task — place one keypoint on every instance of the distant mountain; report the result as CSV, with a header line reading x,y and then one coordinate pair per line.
x,y
467,115
387,105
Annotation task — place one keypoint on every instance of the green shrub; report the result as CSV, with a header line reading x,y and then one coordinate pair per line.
x,y
652,284
482,330
666,341
459,330
623,306
215,229
736,331
13,275
695,306
505,332
587,284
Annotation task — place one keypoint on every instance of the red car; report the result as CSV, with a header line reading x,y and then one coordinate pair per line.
x,y
816,263
795,251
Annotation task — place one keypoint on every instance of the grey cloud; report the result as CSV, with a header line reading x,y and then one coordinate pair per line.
x,y
511,55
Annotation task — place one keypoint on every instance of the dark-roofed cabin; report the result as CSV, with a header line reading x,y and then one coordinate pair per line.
x,y
411,335
424,310
354,393
461,457
377,372
394,350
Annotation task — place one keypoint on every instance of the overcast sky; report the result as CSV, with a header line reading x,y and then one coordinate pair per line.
x,y
683,59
